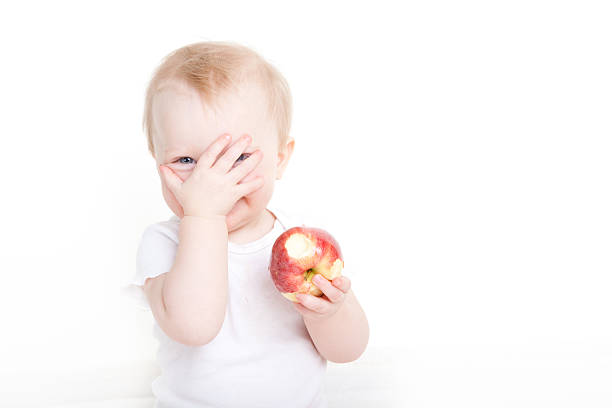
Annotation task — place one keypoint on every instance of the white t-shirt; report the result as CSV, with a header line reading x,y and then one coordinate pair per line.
x,y
263,356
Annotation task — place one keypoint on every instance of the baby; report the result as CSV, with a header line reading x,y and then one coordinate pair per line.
x,y
217,119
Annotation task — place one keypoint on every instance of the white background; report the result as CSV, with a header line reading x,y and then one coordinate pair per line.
x,y
459,151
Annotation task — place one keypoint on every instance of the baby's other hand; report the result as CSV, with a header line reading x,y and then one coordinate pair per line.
x,y
325,306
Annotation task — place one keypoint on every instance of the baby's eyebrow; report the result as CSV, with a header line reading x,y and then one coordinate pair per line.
x,y
190,150
181,149
174,150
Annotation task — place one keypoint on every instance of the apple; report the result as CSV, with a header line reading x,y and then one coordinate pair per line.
x,y
299,254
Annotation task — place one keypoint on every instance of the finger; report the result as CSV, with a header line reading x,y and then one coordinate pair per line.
x,y
304,311
246,166
247,188
313,303
227,159
208,157
170,179
343,283
333,293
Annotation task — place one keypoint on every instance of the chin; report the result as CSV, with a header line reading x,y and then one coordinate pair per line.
x,y
245,210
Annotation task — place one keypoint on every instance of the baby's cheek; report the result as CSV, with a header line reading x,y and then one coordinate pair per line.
x,y
265,169
181,172
172,202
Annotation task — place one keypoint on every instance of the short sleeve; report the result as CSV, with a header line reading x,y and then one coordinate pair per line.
x,y
154,256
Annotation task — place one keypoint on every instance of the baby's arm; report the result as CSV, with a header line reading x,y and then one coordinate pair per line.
x,y
189,301
336,322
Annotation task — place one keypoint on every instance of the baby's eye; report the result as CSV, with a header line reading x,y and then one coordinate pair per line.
x,y
243,158
189,160
186,162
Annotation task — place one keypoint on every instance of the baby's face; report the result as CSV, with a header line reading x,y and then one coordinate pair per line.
x,y
184,128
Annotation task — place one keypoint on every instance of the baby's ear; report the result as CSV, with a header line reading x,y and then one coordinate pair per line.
x,y
284,155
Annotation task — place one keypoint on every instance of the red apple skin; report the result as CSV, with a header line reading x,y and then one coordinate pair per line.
x,y
290,275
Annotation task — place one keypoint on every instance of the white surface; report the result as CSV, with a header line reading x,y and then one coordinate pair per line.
x,y
561,376
371,378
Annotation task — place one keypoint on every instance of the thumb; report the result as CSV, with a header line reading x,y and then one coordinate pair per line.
x,y
172,180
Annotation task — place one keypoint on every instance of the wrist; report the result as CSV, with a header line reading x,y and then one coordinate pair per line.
x,y
205,217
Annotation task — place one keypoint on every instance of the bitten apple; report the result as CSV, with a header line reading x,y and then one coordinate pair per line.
x,y
299,254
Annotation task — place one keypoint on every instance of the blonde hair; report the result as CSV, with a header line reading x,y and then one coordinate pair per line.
x,y
215,67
